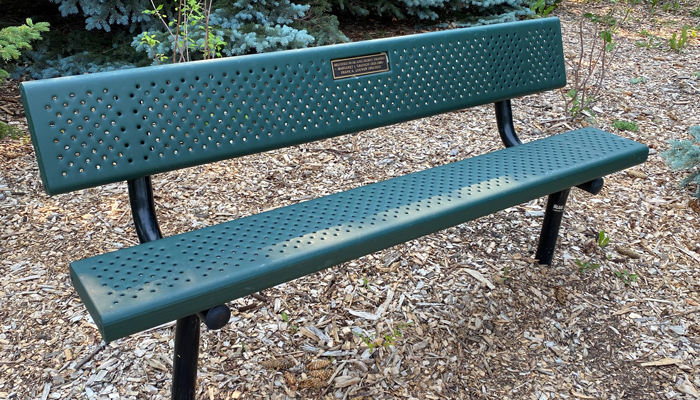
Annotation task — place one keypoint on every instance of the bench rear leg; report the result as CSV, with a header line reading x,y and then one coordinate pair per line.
x,y
556,203
185,358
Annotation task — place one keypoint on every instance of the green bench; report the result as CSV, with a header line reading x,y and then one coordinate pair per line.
x,y
128,125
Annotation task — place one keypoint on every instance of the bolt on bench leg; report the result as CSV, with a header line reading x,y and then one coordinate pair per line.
x,y
556,203
186,358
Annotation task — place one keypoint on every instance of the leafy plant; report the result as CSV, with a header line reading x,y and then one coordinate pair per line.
x,y
652,41
685,155
585,266
577,103
189,32
505,274
675,5
541,8
590,64
284,316
9,130
603,239
625,125
696,74
695,12
626,276
15,39
680,42
388,338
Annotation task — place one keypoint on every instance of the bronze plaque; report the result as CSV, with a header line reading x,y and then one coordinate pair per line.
x,y
362,65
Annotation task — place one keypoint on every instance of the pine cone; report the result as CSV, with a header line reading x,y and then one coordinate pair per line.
x,y
278,363
318,364
312,383
290,379
324,374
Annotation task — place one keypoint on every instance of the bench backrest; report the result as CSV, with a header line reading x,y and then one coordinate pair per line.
x,y
96,129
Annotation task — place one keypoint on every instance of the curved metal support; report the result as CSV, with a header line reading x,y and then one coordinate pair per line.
x,y
504,119
187,334
143,209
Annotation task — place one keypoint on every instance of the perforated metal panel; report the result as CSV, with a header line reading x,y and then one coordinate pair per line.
x,y
137,288
95,129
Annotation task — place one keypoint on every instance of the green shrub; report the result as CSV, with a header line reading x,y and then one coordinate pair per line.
x,y
685,155
625,125
9,130
14,39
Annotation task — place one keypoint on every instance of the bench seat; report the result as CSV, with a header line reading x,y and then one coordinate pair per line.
x,y
137,288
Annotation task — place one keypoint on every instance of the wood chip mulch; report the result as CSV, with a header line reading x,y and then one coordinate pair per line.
x,y
462,314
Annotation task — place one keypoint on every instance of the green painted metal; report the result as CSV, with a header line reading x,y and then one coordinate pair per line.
x,y
95,129
140,287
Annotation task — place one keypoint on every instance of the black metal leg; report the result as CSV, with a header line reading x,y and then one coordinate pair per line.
x,y
186,357
550,227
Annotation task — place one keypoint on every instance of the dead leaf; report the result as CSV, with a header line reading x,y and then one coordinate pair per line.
x,y
479,277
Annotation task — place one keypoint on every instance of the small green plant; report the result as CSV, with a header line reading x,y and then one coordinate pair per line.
x,y
504,275
696,74
654,3
579,104
625,125
651,42
389,338
603,239
284,316
368,340
585,266
14,39
678,43
541,8
641,79
594,57
626,276
674,5
365,283
190,22
9,130
696,12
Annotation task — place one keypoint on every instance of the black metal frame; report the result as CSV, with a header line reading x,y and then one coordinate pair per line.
x,y
187,332
556,202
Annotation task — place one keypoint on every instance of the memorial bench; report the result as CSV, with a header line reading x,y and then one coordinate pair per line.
x,y
97,129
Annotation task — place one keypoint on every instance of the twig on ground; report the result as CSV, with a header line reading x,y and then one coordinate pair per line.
x,y
90,356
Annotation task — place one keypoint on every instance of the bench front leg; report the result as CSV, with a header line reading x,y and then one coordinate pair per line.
x,y
186,358
556,203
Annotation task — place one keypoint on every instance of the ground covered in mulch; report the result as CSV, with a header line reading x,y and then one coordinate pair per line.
x,y
462,314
